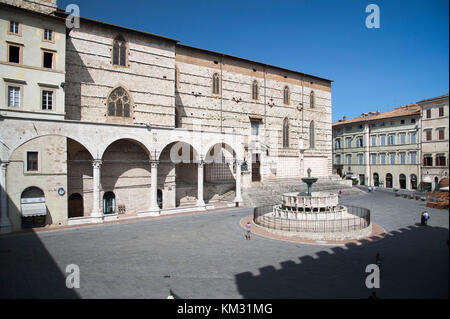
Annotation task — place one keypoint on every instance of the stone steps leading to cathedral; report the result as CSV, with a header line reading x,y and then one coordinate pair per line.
x,y
270,193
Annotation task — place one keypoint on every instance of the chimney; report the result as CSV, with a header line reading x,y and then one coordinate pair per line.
x,y
344,118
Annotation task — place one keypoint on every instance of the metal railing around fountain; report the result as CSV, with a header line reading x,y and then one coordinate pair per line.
x,y
262,216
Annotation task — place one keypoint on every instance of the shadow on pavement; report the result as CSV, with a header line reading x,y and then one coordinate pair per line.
x,y
27,270
415,265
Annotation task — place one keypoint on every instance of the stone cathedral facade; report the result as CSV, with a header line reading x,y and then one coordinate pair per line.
x,y
101,120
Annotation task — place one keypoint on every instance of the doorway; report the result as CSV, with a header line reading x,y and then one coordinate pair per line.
x,y
75,205
389,180
376,180
361,179
159,198
402,181
413,181
256,166
109,203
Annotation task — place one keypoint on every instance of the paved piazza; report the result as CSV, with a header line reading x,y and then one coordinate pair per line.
x,y
206,256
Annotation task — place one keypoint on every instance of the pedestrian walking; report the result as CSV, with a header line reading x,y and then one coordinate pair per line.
x,y
422,219
248,230
427,217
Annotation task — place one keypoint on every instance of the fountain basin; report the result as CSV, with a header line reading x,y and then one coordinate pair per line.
x,y
316,202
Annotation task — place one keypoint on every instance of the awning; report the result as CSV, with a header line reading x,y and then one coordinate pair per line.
x,y
427,179
33,206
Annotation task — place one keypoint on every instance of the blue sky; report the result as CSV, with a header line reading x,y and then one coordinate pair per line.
x,y
404,61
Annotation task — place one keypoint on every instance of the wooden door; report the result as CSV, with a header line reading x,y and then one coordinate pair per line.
x,y
256,165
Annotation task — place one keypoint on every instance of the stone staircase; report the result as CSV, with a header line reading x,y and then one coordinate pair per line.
x,y
269,192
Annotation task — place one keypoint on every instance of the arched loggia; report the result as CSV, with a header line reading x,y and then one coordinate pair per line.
x,y
177,170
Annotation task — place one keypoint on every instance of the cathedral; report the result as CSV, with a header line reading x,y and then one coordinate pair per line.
x,y
100,121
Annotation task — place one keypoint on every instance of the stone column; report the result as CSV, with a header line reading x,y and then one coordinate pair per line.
x,y
200,201
5,225
238,199
154,207
97,210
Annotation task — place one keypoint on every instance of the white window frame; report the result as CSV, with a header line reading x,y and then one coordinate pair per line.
x,y
391,139
359,141
20,97
411,134
411,157
372,157
402,157
360,159
383,158
53,91
394,156
48,31
400,135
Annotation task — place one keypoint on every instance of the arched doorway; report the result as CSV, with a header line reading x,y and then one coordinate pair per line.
x,y
178,175
436,183
376,180
388,180
79,178
75,205
126,173
402,181
413,181
220,171
109,203
33,207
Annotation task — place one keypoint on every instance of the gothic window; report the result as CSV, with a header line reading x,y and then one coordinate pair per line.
x,y
311,135
120,51
216,83
312,99
119,103
255,90
286,132
286,95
